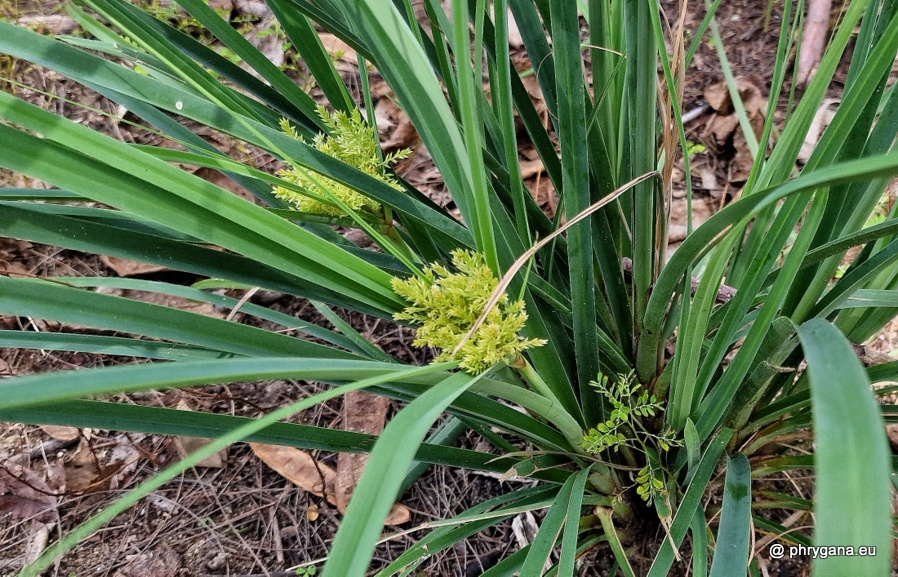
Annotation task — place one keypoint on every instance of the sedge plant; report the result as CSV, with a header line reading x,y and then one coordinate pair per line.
x,y
644,396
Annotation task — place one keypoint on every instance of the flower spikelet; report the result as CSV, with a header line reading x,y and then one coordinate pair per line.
x,y
446,305
352,141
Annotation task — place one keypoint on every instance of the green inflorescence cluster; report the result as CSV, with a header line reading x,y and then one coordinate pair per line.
x,y
352,141
624,428
447,304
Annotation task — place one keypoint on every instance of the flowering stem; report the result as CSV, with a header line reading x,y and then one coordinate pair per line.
x,y
532,377
573,433
400,245
620,555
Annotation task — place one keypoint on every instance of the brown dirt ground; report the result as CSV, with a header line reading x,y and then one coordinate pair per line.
x,y
243,518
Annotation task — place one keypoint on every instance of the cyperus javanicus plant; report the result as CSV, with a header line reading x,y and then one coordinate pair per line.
x,y
763,384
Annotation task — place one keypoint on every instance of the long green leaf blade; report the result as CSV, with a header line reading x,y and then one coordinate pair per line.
x,y
376,490
145,488
852,502
731,553
162,421
51,300
576,197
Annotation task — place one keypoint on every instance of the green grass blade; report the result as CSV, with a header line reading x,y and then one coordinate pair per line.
x,y
751,139
509,566
852,501
575,196
641,87
690,503
541,57
51,300
475,519
114,81
552,525
720,399
782,159
162,421
103,345
352,337
699,532
141,28
377,488
148,486
250,55
194,294
55,194
31,223
686,390
63,385
291,103
309,47
179,200
732,215
503,101
857,278
866,298
731,552
403,63
480,220
567,562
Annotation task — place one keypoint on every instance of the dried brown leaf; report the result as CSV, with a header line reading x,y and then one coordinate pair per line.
x,y
362,413
124,267
299,468
187,445
220,180
399,515
532,168
82,470
515,40
37,541
170,301
24,494
61,433
338,49
317,478
824,115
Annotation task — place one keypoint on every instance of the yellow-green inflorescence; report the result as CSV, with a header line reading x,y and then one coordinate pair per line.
x,y
352,141
446,305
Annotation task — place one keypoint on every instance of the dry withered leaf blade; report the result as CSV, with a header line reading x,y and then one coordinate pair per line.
x,y
305,472
205,309
37,541
218,179
362,413
824,115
